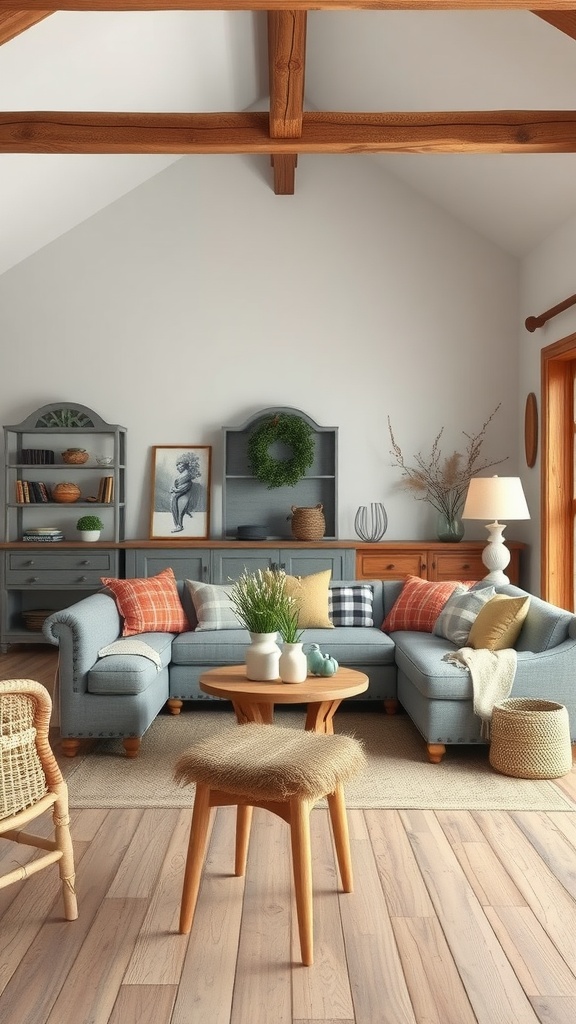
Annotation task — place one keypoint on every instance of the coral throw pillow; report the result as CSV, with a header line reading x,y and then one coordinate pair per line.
x,y
149,605
420,604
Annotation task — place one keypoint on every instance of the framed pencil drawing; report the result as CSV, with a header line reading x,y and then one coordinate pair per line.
x,y
180,502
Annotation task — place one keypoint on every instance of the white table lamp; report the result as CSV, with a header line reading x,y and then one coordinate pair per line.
x,y
495,497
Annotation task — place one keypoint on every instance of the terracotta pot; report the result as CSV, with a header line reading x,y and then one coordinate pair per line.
x,y
65,493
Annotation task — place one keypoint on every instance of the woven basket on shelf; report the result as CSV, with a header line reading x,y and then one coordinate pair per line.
x,y
308,523
530,739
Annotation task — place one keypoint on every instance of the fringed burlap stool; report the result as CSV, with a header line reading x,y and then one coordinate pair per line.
x,y
285,771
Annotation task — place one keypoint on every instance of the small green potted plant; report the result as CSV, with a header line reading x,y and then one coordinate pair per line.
x,y
89,527
258,599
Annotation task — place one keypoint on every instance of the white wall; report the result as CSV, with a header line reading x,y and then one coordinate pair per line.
x,y
200,298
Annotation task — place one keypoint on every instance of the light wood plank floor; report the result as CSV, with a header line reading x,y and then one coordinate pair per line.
x,y
457,917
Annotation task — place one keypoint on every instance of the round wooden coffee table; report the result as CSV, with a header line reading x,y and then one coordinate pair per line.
x,y
254,701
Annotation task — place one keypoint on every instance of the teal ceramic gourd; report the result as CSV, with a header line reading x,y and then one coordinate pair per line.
x,y
328,666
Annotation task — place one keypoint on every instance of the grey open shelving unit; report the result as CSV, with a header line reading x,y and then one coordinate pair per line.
x,y
246,500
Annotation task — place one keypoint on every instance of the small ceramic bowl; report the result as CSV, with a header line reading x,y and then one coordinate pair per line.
x,y
104,460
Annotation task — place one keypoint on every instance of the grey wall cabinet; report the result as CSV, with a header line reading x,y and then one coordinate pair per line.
x,y
248,501
47,575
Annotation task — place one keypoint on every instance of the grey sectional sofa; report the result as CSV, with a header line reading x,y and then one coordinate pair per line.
x,y
120,695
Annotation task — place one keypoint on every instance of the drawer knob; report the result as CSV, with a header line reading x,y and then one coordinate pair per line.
x,y
82,579
391,566
84,562
33,579
466,565
30,561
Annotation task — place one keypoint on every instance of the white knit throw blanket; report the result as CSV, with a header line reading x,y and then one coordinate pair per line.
x,y
130,645
492,674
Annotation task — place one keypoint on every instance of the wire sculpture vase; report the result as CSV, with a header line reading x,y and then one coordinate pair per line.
x,y
371,525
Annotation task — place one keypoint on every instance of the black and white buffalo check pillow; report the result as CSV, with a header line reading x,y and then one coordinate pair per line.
x,y
351,606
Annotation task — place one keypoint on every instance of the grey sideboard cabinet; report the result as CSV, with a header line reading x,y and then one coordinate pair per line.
x,y
221,563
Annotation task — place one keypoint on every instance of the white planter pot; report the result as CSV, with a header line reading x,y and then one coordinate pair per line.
x,y
90,535
263,657
293,664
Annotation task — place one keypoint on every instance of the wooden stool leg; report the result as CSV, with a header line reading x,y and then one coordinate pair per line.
x,y
195,857
302,867
337,808
243,824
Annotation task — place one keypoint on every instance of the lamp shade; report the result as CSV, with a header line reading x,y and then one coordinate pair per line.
x,y
495,497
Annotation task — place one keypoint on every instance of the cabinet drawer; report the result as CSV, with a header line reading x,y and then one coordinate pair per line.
x,y
389,566
54,578
70,568
452,566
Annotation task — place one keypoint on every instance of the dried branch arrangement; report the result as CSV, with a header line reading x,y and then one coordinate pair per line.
x,y
440,480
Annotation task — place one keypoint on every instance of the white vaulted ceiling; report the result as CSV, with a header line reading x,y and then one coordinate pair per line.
x,y
358,60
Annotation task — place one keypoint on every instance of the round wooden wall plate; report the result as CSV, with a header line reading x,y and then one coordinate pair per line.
x,y
531,429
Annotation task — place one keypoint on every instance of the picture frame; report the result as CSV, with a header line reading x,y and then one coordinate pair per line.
x,y
180,498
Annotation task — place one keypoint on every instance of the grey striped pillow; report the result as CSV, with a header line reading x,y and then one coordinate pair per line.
x,y
459,614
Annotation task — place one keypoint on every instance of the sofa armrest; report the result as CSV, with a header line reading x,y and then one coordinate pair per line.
x,y
80,631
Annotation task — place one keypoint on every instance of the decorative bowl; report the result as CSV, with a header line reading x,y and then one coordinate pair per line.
x,y
104,460
75,456
251,533
65,493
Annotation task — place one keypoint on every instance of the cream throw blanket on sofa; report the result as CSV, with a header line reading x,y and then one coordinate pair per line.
x,y
492,674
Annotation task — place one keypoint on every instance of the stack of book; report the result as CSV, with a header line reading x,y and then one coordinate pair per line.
x,y
44,534
37,457
32,492
105,490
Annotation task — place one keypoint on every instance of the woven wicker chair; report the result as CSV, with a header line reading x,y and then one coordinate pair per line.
x,y
31,783
284,771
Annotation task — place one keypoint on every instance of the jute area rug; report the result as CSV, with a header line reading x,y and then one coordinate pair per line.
x,y
398,776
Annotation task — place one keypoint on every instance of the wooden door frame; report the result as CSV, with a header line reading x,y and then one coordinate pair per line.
x,y
557,476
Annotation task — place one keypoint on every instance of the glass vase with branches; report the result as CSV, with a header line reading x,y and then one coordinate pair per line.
x,y
442,480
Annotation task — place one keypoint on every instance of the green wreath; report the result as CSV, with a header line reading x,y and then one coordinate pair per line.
x,y
296,434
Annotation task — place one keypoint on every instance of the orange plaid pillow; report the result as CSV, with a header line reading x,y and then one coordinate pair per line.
x,y
149,605
420,604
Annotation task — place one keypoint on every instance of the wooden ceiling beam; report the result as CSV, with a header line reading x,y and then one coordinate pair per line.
x,y
12,23
502,131
286,71
286,5
565,21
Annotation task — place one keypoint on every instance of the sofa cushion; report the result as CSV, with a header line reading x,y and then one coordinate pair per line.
x,y
351,605
311,596
130,673
419,656
210,647
498,624
213,606
420,604
459,613
149,605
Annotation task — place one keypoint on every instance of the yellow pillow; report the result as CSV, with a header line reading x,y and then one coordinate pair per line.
x,y
499,622
311,595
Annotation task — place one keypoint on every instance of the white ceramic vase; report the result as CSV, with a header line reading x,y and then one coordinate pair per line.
x,y
293,664
89,535
263,657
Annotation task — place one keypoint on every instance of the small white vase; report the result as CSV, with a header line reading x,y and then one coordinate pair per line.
x,y
89,535
293,664
263,657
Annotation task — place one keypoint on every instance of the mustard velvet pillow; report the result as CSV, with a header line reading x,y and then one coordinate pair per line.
x,y
498,623
311,596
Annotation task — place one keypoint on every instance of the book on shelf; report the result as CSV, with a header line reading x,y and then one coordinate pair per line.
x,y
105,490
